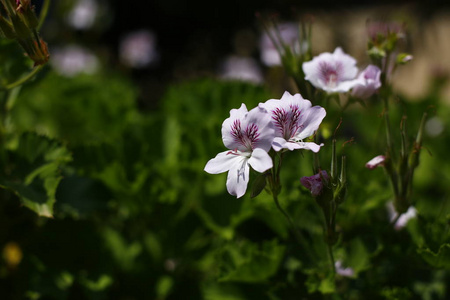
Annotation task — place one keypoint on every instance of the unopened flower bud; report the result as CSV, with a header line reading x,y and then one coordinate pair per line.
x,y
27,11
377,161
315,183
376,54
7,28
403,58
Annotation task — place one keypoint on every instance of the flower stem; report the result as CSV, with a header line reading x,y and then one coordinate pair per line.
x,y
330,254
44,12
299,237
24,79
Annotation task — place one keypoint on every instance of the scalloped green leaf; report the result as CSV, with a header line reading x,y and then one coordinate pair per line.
x,y
441,259
33,172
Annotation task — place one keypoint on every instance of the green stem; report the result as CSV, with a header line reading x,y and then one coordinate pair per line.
x,y
44,12
330,254
23,79
299,237
329,231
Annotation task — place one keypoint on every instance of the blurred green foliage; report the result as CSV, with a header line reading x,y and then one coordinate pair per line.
x,y
134,216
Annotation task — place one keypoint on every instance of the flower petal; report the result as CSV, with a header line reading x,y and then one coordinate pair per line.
x,y
260,160
367,83
221,163
237,179
279,143
310,122
228,139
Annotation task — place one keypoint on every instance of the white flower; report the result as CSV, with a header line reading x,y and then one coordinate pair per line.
x,y
331,72
346,272
83,14
248,135
73,60
367,83
138,49
404,218
294,120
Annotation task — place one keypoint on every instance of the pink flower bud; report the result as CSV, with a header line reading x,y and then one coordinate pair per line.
x,y
315,183
377,161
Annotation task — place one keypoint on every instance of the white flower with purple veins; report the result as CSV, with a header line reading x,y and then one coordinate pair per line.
x,y
294,120
367,83
248,135
331,72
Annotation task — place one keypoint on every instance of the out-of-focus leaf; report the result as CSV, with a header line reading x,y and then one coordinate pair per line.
x,y
441,259
13,63
103,282
33,172
124,253
250,262
357,257
164,286
318,283
215,291
82,109
396,293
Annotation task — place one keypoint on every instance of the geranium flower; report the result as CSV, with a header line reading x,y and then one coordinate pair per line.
x,y
367,83
315,183
331,72
248,135
294,121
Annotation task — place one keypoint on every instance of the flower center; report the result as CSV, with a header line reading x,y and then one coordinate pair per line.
x,y
247,137
287,122
329,73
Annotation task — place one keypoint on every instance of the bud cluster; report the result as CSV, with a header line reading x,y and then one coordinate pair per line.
x,y
21,24
329,190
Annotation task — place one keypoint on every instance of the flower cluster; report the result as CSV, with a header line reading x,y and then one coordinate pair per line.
x,y
337,73
250,135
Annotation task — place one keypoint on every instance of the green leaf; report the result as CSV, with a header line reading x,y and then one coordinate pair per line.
x,y
258,185
33,172
441,259
317,282
250,262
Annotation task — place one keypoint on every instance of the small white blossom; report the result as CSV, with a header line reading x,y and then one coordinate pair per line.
x,y
138,49
404,218
332,72
73,60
